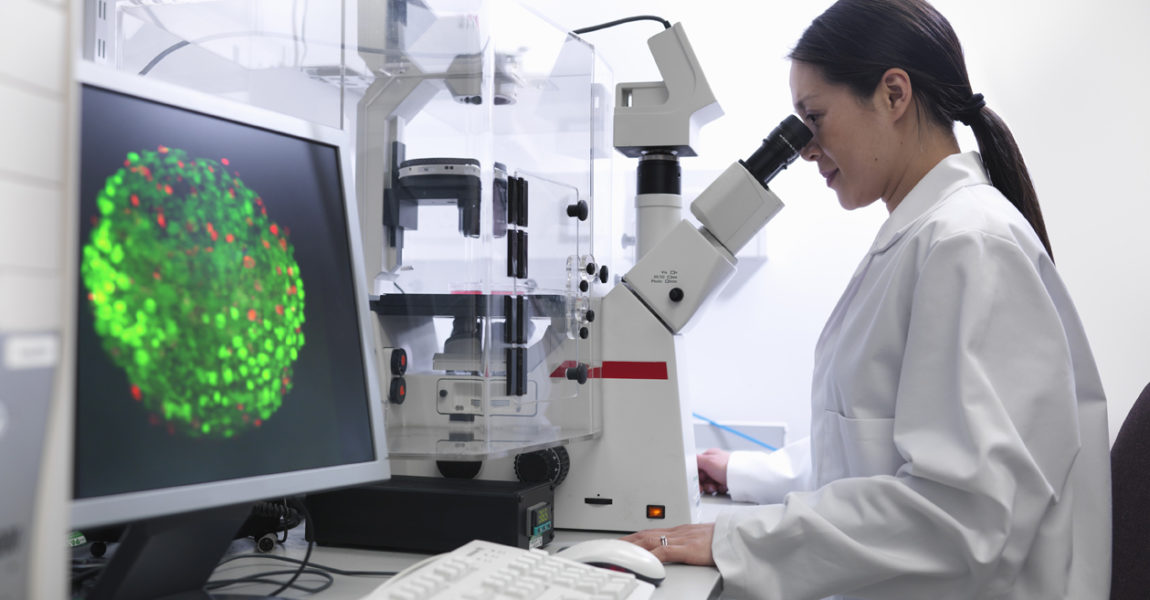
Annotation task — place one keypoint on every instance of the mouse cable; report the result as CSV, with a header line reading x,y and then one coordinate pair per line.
x,y
313,565
265,576
582,30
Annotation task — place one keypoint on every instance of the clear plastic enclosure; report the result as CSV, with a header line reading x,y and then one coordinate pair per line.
x,y
477,164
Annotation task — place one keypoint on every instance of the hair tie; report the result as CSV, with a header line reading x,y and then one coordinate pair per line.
x,y
971,109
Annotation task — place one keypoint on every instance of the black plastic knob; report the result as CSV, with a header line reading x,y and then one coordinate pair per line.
x,y
549,464
579,210
578,373
584,333
589,316
584,286
590,268
398,361
603,274
676,295
397,393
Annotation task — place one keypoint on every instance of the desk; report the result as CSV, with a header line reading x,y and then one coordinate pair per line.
x,y
684,582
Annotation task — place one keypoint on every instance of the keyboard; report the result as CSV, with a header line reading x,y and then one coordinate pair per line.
x,y
482,570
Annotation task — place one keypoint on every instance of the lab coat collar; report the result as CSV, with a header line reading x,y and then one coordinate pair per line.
x,y
948,176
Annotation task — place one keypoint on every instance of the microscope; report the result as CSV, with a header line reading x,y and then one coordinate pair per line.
x,y
641,471
507,354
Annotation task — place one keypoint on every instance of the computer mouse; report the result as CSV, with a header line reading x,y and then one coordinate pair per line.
x,y
617,555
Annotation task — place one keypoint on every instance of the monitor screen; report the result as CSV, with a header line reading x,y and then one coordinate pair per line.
x,y
220,347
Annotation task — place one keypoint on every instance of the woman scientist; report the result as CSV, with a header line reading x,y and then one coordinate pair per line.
x,y
958,443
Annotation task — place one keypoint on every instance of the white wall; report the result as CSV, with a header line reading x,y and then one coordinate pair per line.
x,y
1069,78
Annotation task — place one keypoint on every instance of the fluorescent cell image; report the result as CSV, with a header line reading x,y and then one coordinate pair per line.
x,y
195,293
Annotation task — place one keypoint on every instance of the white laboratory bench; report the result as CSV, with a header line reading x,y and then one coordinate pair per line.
x,y
683,582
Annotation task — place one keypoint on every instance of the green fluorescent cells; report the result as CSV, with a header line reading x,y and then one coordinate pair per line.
x,y
186,275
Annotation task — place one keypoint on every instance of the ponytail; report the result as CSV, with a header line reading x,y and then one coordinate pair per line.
x,y
1007,170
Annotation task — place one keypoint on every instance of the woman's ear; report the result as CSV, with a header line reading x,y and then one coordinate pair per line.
x,y
894,92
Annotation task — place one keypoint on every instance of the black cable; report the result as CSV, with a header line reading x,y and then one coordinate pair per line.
x,y
161,56
307,556
264,578
313,565
666,23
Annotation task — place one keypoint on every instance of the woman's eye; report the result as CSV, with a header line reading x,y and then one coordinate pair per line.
x,y
813,119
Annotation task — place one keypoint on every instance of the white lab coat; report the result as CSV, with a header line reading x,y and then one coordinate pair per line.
x,y
958,437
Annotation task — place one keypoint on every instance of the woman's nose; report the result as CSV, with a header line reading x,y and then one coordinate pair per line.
x,y
811,151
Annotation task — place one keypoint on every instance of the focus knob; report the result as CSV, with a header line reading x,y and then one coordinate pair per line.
x,y
549,464
397,393
579,210
578,373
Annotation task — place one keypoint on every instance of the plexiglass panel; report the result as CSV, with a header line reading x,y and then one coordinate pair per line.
x,y
282,55
476,173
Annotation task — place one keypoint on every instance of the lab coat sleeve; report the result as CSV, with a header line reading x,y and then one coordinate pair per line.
x,y
985,432
763,477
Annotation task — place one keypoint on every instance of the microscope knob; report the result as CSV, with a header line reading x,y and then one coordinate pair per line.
x,y
584,332
579,209
676,295
397,393
549,464
591,268
603,275
589,316
578,373
584,286
398,361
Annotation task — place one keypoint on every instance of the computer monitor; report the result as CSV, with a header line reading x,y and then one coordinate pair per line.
x,y
223,351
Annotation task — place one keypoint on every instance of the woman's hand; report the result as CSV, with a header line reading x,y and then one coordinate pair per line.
x,y
713,470
690,544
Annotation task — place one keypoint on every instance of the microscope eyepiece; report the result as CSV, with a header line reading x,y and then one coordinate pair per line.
x,y
779,149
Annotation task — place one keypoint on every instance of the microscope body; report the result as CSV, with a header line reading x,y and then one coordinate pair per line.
x,y
641,471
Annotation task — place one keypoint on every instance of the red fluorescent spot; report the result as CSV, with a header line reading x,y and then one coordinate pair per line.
x,y
135,200
215,236
168,190
259,287
280,309
210,169
286,381
225,161
232,192
266,244
163,149
259,422
136,394
161,220
127,163
264,211
290,274
283,243
156,275
208,249
91,297
274,229
181,163
259,201
279,270
230,238
240,407
249,262
252,314
291,290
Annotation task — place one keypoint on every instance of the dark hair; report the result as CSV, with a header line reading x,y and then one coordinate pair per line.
x,y
855,42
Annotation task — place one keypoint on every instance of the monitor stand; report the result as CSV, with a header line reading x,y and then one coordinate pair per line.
x,y
171,557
